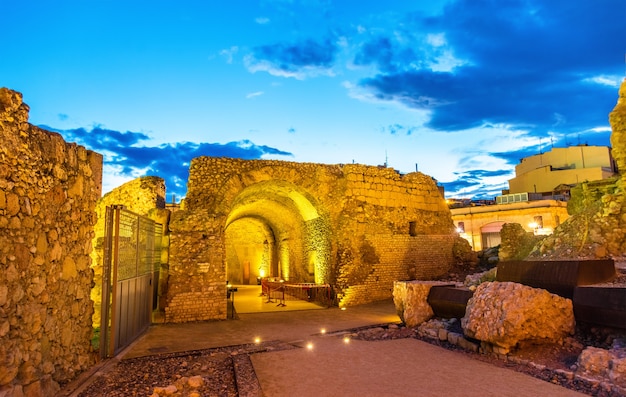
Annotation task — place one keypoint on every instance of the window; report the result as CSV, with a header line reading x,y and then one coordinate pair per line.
x,y
460,228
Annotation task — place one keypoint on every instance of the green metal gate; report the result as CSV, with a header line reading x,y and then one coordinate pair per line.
x,y
132,252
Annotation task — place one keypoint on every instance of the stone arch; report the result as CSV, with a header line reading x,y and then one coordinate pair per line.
x,y
490,234
275,228
321,223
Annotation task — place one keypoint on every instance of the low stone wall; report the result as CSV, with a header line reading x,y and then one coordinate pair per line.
x,y
48,192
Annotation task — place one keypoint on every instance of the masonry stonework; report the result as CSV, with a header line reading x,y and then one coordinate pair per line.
x,y
358,228
48,191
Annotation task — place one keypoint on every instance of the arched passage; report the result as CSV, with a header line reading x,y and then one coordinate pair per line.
x,y
275,229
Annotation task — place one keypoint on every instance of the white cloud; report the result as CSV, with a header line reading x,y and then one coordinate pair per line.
x,y
254,94
436,39
229,53
262,20
610,80
254,65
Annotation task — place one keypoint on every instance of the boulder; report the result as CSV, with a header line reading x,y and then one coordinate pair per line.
x,y
602,363
505,313
411,301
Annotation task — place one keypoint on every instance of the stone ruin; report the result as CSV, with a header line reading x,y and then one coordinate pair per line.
x,y
48,193
356,228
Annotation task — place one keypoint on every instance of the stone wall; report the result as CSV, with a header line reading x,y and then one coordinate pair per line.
x,y
400,258
144,196
48,192
356,227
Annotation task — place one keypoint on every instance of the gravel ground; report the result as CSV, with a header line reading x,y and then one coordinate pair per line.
x,y
228,371
225,371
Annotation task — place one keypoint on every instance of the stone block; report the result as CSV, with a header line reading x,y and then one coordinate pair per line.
x,y
453,338
467,345
506,313
411,301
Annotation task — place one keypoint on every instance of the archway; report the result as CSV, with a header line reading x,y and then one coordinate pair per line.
x,y
490,234
275,229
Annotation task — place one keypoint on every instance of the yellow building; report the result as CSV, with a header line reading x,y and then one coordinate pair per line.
x,y
481,225
537,195
562,166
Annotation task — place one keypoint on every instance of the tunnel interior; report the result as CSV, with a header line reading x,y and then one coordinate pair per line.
x,y
276,230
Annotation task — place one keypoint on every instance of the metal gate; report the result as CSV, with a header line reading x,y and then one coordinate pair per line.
x,y
132,253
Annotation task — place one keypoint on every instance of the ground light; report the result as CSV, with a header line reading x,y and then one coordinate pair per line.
x,y
257,340
309,346
323,331
346,339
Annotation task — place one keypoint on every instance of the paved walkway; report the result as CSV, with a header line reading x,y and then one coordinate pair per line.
x,y
328,366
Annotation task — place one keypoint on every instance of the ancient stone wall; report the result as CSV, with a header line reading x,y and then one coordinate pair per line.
x,y
48,192
356,227
143,196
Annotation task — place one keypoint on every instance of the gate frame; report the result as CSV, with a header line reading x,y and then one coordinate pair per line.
x,y
112,306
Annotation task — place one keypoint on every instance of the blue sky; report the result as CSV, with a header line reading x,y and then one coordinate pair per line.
x,y
460,90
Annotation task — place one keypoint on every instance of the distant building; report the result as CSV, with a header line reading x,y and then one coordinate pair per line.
x,y
481,225
548,172
537,196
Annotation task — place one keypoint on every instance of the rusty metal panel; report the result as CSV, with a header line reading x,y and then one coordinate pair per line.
x,y
601,305
558,277
448,301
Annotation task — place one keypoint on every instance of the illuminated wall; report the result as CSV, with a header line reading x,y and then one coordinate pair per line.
x,y
344,225
48,193
479,221
571,165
